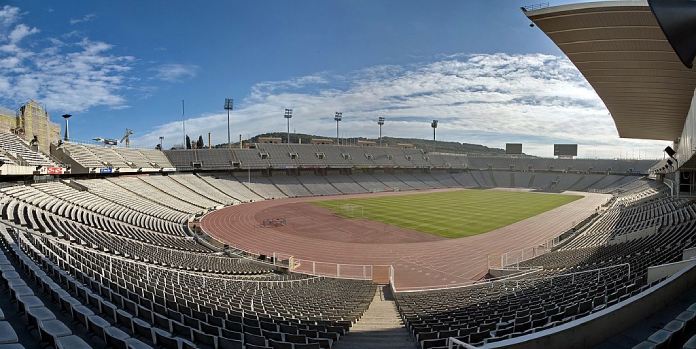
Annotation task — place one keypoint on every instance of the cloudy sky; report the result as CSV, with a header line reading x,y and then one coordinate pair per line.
x,y
476,66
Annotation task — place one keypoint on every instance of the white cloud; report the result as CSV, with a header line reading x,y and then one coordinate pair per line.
x,y
175,72
488,99
68,73
20,32
68,76
86,18
8,15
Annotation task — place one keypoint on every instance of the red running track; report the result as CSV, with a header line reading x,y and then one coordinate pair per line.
x,y
421,264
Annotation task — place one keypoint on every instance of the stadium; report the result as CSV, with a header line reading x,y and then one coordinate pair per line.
x,y
327,244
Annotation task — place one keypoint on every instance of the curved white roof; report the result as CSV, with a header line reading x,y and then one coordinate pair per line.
x,y
620,49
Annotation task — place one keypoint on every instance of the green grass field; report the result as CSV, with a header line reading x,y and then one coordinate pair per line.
x,y
451,214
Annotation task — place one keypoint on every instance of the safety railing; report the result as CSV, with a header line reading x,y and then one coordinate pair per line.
x,y
307,266
334,270
517,279
512,259
410,289
572,276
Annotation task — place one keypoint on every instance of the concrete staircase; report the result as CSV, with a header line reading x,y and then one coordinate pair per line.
x,y
380,326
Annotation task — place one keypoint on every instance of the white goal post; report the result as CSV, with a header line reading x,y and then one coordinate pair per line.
x,y
352,210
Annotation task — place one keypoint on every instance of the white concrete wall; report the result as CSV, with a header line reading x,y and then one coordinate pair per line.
x,y
10,169
658,272
632,236
689,253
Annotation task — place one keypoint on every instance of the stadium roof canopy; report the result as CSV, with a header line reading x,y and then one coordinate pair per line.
x,y
622,52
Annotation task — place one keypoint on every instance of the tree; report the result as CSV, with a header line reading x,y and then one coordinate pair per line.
x,y
188,142
200,144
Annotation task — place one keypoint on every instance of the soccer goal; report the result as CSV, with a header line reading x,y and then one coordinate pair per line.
x,y
352,211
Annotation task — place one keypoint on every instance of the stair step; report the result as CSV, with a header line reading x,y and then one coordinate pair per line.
x,y
379,327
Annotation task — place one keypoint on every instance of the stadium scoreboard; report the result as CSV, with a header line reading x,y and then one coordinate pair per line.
x,y
565,150
513,148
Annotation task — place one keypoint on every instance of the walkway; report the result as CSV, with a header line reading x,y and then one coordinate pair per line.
x,y
380,326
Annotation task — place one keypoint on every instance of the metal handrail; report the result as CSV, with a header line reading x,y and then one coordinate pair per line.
x,y
468,284
511,278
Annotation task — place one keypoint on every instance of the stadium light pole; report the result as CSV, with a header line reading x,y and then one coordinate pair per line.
x,y
338,116
229,105
161,142
434,126
67,126
288,116
380,122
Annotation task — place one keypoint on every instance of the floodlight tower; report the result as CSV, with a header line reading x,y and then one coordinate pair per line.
x,y
338,116
380,122
434,126
229,105
288,116
67,126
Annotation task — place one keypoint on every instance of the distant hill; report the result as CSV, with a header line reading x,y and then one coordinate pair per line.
x,y
428,145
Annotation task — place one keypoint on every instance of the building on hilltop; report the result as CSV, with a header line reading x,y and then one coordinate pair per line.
x,y
32,123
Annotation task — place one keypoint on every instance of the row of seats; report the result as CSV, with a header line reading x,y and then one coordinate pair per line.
x,y
42,308
282,156
621,220
176,252
622,213
165,203
127,198
58,194
147,230
17,151
94,156
138,186
565,284
205,312
570,165
253,188
678,333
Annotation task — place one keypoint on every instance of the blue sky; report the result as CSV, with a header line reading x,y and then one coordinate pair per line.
x,y
476,66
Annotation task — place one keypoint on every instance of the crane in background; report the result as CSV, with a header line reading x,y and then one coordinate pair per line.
x,y
126,137
110,141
